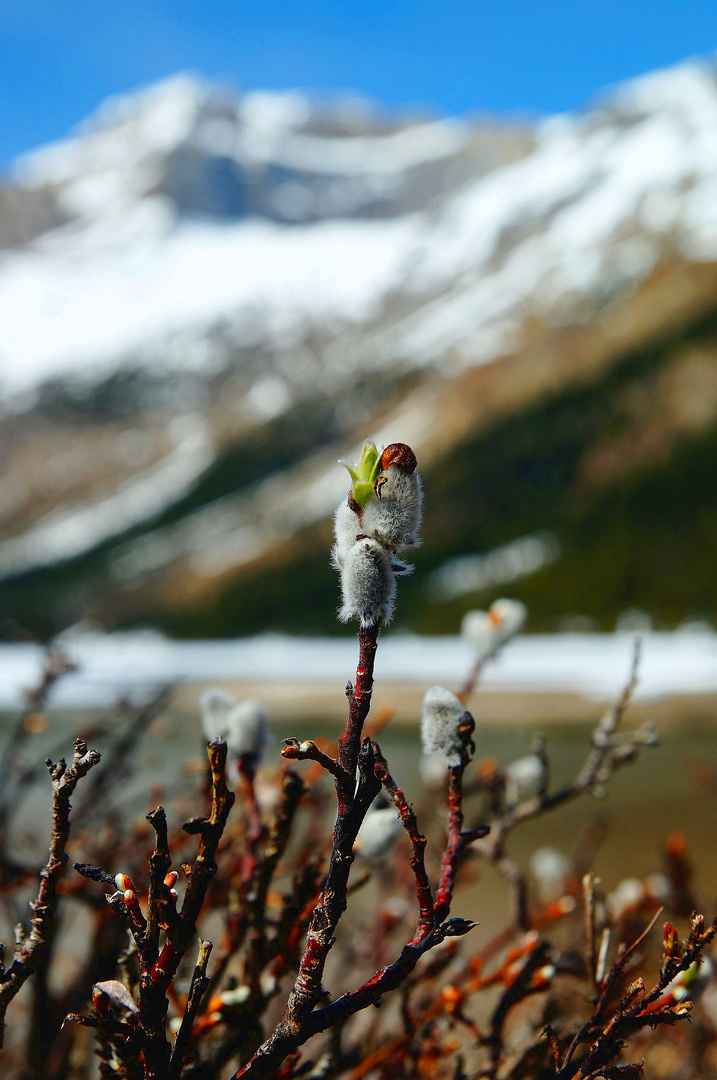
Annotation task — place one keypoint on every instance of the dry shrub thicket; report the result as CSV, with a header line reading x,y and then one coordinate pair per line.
x,y
201,948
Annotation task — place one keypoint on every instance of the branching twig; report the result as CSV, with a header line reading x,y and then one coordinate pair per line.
x,y
158,967
30,949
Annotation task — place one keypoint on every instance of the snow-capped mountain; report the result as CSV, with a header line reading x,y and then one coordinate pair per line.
x,y
192,268
181,211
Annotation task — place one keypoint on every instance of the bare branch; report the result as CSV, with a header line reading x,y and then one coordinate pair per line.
x,y
29,951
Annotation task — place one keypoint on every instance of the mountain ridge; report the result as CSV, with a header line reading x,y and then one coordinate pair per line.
x,y
497,268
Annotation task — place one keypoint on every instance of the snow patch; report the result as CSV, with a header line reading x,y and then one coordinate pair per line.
x,y
595,666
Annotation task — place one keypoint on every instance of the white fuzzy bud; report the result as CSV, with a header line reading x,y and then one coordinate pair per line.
x,y
432,770
658,888
246,730
347,529
550,868
510,617
215,705
524,778
393,517
441,716
487,631
476,628
379,833
629,895
237,996
368,584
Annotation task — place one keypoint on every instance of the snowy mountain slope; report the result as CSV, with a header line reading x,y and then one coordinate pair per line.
x,y
175,204
134,276
240,263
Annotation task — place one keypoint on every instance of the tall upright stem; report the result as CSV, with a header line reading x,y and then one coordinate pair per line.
x,y
352,803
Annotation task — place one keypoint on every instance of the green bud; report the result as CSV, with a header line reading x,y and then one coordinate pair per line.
x,y
363,474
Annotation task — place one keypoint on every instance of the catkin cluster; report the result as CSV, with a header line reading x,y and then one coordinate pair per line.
x,y
373,527
243,724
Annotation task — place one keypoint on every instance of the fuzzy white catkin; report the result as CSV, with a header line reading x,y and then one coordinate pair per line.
x,y
347,527
524,778
478,631
658,888
487,631
247,730
441,715
215,705
511,616
394,517
432,771
629,894
379,833
368,584
549,867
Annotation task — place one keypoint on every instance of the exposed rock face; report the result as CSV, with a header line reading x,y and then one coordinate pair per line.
x,y
205,299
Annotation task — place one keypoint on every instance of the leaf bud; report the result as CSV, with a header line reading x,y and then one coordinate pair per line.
x,y
363,474
671,945
401,455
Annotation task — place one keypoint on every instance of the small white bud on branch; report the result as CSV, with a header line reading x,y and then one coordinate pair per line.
x,y
379,518
394,516
368,584
440,719
215,705
488,631
243,725
524,778
550,868
378,833
247,730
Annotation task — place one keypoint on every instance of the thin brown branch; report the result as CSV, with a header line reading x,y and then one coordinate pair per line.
x,y
457,839
197,989
30,949
353,755
418,847
589,907
155,980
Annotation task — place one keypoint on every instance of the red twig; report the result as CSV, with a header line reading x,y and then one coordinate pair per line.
x,y
418,846
457,839
353,756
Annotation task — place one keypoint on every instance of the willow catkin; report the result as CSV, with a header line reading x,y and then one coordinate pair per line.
x,y
368,584
440,719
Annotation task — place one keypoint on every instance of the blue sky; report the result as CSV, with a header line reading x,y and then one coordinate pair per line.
x,y
59,60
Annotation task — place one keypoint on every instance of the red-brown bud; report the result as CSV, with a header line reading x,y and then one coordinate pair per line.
x,y
399,454
124,883
671,942
159,969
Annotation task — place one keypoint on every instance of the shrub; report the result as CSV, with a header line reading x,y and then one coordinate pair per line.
x,y
561,991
